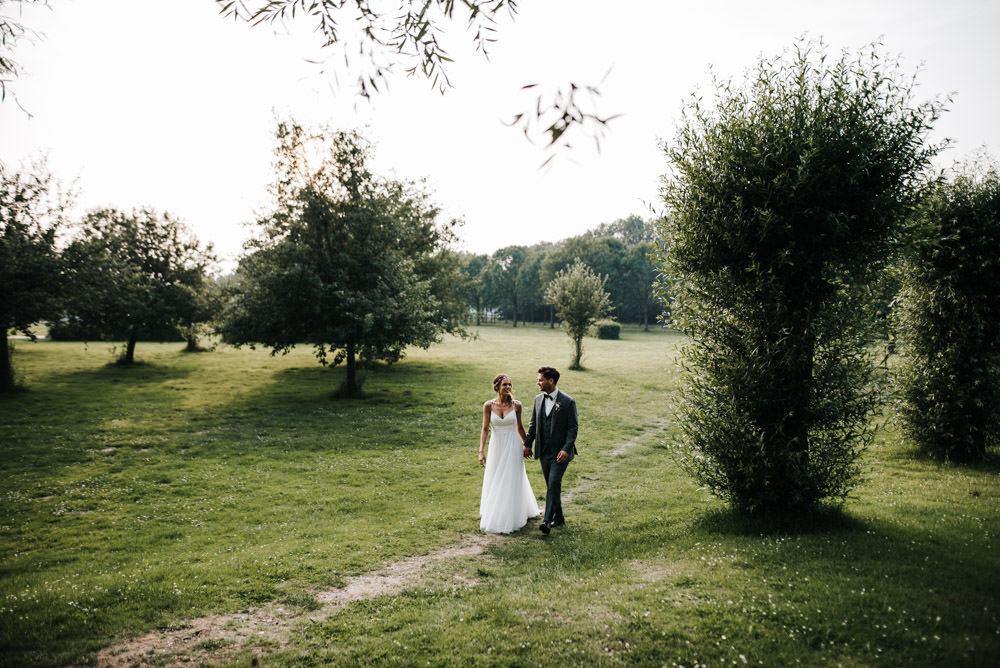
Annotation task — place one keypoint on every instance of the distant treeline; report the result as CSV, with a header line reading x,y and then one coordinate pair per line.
x,y
509,283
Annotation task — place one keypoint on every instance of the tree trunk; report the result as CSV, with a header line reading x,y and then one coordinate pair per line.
x,y
786,420
515,312
645,317
192,344
6,365
552,317
577,352
133,336
351,384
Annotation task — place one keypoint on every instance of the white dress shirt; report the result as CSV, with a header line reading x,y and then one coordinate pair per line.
x,y
549,404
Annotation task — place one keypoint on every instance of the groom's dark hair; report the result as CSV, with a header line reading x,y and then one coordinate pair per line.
x,y
549,372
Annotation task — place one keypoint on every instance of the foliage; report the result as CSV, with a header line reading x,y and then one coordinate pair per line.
x,y
413,37
617,251
352,263
784,201
475,293
205,307
32,209
505,276
640,302
139,500
377,40
580,299
12,32
136,272
513,278
950,317
67,329
631,231
607,329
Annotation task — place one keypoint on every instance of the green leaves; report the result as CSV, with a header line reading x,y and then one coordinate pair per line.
x,y
785,201
354,264
32,212
580,300
948,321
31,269
135,272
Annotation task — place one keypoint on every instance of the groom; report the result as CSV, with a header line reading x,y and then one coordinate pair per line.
x,y
553,428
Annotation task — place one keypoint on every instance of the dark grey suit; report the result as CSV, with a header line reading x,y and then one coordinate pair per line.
x,y
550,434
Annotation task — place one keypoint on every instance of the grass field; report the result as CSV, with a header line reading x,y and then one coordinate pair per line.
x,y
220,483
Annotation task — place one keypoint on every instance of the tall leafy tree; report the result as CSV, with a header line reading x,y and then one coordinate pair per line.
x,y
580,300
639,301
133,275
632,285
530,285
950,317
475,286
604,254
32,210
352,263
631,230
505,278
783,203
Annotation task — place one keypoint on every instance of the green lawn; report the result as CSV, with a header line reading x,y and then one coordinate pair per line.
x,y
138,498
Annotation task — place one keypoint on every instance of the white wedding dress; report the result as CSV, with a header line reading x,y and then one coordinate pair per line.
x,y
507,502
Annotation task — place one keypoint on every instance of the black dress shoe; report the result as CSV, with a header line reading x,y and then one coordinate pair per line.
x,y
556,523
544,528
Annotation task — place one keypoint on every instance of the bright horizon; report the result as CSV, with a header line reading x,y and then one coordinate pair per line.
x,y
176,109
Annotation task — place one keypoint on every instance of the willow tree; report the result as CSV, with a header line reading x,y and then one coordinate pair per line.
x,y
579,298
784,199
949,327
378,40
352,263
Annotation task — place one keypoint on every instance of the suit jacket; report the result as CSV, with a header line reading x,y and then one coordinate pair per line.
x,y
555,431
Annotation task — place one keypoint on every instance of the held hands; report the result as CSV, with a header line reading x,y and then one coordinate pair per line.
x,y
527,452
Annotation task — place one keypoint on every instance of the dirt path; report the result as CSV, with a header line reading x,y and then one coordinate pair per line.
x,y
657,427
264,630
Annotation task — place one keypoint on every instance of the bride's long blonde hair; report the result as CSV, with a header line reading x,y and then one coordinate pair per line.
x,y
497,380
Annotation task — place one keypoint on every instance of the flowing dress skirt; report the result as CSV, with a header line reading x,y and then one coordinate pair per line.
x,y
507,502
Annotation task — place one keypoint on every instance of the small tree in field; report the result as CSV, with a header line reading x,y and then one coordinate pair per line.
x,y
134,274
346,261
949,324
579,299
783,205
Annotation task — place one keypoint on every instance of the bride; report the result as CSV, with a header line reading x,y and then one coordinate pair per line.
x,y
507,501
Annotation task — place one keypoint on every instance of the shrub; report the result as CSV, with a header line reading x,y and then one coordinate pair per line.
x,y
607,329
949,319
782,208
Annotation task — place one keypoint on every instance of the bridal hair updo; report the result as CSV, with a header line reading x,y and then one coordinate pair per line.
x,y
499,378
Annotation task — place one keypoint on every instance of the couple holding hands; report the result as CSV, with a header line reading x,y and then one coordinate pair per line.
x,y
507,502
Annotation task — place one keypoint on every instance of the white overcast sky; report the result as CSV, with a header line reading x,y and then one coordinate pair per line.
x,y
173,106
